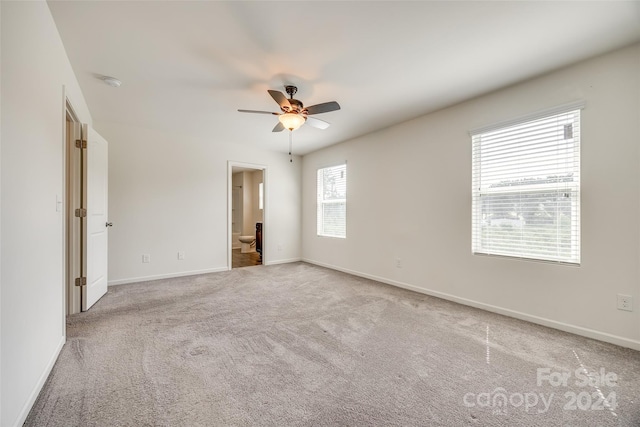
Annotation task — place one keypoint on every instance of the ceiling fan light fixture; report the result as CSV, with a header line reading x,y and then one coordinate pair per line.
x,y
291,121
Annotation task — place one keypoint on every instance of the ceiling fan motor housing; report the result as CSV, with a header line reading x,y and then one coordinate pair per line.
x,y
296,106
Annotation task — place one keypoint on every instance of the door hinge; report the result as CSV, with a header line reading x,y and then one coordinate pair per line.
x,y
81,143
81,281
81,213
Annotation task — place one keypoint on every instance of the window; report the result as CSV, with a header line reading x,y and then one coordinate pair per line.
x,y
332,201
526,188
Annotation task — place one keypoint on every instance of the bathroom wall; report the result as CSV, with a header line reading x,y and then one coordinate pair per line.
x,y
247,212
249,202
248,223
256,214
237,201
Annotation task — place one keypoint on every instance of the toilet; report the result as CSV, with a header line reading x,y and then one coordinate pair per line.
x,y
246,241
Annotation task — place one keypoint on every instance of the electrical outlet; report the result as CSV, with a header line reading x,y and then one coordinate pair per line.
x,y
146,258
625,302
180,255
398,263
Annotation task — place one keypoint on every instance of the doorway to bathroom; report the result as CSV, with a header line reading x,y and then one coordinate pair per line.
x,y
247,208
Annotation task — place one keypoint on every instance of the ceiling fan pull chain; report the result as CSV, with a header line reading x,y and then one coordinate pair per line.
x,y
290,144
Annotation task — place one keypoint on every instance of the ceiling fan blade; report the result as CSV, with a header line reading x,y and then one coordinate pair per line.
x,y
280,98
258,112
323,108
317,123
279,128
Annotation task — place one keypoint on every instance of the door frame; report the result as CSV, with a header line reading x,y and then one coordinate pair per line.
x,y
265,207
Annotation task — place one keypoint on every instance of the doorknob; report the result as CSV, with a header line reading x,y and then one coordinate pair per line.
x,y
108,224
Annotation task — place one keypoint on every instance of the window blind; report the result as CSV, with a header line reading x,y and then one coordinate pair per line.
x,y
332,201
526,189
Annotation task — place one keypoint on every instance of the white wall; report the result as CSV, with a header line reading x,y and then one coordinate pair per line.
x,y
409,196
251,212
34,69
248,225
237,204
168,193
0,218
256,179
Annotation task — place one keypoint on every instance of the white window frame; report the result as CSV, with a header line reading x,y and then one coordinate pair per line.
x,y
482,244
321,203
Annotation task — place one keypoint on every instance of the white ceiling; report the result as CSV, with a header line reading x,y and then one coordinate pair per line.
x,y
186,67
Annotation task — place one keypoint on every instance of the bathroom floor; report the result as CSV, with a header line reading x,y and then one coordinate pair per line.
x,y
239,259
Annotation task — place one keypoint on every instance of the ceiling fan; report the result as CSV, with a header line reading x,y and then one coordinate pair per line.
x,y
294,114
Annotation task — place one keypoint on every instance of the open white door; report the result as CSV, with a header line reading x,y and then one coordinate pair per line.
x,y
97,224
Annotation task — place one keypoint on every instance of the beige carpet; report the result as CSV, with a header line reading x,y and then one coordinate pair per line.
x,y
299,345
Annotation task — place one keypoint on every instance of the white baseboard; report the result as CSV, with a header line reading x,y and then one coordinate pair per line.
x,y
166,276
188,273
283,261
36,390
566,327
